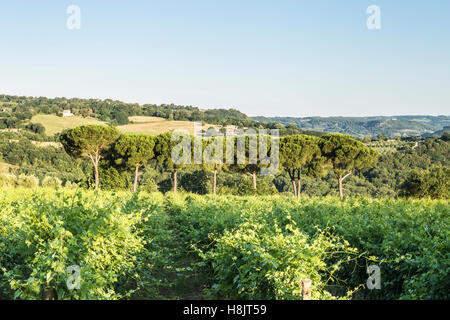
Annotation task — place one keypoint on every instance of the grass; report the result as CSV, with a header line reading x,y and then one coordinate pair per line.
x,y
54,124
4,167
145,119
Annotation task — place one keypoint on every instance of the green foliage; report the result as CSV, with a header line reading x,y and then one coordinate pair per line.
x,y
260,261
150,246
51,182
91,142
27,181
198,182
37,128
52,231
433,183
134,150
346,153
88,141
112,178
7,180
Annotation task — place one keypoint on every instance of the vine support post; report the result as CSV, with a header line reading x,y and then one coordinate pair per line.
x,y
50,293
306,289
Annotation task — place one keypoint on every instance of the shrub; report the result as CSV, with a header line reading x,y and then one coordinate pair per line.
x,y
51,182
43,236
7,180
260,262
27,181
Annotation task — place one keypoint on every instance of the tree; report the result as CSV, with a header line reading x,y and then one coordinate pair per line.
x,y
346,155
433,183
37,128
89,141
213,156
252,154
300,154
134,151
167,152
121,117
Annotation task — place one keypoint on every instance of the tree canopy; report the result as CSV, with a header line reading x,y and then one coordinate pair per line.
x,y
89,142
134,151
346,155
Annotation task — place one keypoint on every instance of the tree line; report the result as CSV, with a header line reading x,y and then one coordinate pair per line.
x,y
299,155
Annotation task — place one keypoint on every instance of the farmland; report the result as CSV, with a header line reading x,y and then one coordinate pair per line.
x,y
139,124
54,124
155,126
150,246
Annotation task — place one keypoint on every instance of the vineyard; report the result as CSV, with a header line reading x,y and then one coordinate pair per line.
x,y
184,246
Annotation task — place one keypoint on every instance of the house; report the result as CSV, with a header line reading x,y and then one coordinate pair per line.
x,y
67,113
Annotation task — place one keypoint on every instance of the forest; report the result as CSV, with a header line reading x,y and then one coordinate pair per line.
x,y
400,166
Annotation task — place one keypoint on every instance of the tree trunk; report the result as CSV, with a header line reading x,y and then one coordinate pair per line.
x,y
95,159
136,174
215,180
97,183
341,191
175,181
340,180
254,180
295,187
299,188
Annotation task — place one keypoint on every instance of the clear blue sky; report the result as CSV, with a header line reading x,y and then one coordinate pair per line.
x,y
285,58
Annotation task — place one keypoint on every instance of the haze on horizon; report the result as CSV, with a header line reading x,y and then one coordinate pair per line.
x,y
283,58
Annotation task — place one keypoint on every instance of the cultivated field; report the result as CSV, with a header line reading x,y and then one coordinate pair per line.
x,y
155,126
54,124
141,125
151,246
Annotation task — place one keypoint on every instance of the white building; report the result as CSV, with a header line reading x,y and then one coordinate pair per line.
x,y
67,113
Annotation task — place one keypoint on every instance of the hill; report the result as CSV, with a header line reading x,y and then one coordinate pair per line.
x,y
16,110
363,126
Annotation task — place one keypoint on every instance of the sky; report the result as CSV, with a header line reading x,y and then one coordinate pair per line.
x,y
272,58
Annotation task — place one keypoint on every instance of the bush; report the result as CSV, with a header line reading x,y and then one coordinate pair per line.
x,y
260,262
433,183
43,236
7,180
27,181
51,182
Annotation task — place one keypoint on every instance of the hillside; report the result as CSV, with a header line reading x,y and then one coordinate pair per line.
x,y
155,126
364,126
135,118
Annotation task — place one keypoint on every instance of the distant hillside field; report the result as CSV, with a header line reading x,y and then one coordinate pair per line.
x,y
155,126
4,167
140,124
54,124
145,119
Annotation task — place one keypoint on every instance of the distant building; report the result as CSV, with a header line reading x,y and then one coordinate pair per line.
x,y
232,132
90,112
67,113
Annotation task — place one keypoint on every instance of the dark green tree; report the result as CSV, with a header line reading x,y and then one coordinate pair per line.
x,y
134,151
89,142
346,155
174,151
300,154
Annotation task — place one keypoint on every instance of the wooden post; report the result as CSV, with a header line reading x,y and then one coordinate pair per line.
x,y
306,289
50,293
